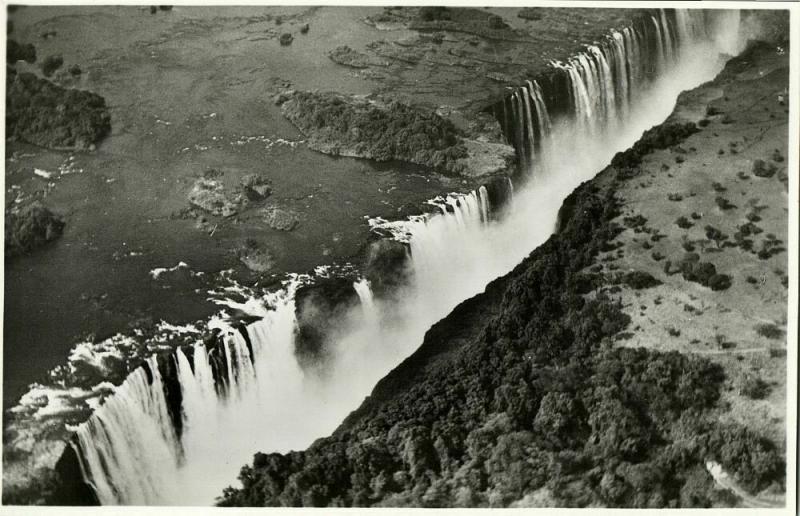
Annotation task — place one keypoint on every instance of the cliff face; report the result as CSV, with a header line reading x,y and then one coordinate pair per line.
x,y
531,393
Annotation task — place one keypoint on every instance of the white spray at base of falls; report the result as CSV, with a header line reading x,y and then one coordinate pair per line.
x,y
272,405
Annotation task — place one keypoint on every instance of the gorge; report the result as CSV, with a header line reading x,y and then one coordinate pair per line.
x,y
180,427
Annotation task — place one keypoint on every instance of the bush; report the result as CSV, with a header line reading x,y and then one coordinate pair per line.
x,y
51,64
683,223
754,387
715,235
724,204
286,39
638,280
763,169
719,282
16,52
770,331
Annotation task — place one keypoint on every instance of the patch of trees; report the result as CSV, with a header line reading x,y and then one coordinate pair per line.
x,y
660,137
30,228
381,132
45,114
19,52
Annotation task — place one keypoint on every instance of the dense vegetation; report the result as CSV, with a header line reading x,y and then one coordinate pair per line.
x,y
45,114
19,52
30,228
382,132
520,397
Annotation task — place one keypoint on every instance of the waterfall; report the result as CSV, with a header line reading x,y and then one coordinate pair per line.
x,y
249,393
608,77
131,437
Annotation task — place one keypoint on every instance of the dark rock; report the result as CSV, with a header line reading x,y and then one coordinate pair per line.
x,y
255,256
30,228
386,265
256,188
320,307
75,70
499,191
304,28
70,488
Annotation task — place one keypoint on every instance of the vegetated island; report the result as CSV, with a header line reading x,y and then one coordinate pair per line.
x,y
529,394
343,125
43,113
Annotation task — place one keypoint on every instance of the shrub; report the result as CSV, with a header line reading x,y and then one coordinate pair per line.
x,y
639,280
715,235
754,387
51,64
770,331
763,169
724,204
683,223
16,52
719,282
286,39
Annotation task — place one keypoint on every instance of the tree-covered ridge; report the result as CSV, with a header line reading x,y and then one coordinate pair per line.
x,y
45,114
350,126
519,397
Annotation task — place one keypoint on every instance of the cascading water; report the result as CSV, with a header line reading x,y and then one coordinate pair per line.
x,y
129,451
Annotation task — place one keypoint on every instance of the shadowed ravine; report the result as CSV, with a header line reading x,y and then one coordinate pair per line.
x,y
132,452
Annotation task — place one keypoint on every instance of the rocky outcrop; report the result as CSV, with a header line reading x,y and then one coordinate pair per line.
x,y
255,256
385,265
344,55
280,219
29,228
45,114
320,307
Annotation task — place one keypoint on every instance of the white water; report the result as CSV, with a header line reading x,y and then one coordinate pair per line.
x,y
275,406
